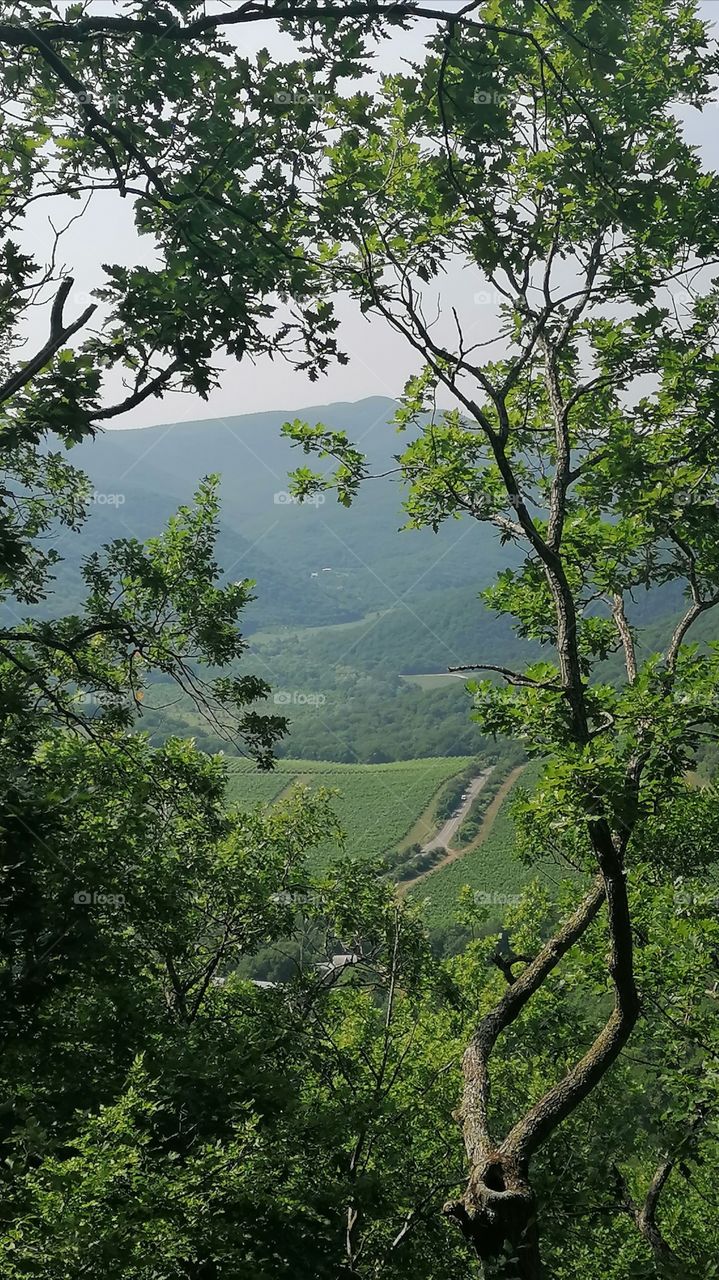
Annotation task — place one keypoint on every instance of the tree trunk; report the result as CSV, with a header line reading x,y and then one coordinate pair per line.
x,y
497,1216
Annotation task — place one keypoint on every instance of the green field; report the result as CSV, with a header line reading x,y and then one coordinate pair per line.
x,y
247,786
291,633
492,869
435,679
377,804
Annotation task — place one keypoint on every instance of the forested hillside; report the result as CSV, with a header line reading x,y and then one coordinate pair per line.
x,y
314,563
347,603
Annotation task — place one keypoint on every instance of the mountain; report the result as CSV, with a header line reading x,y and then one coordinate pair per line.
x,y
315,563
347,605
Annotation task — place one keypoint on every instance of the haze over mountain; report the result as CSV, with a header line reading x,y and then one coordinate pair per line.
x,y
314,563
350,608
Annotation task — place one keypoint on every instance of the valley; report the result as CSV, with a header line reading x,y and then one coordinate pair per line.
x,y
354,623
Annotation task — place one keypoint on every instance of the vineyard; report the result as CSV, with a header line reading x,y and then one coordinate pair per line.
x,y
379,805
493,870
376,804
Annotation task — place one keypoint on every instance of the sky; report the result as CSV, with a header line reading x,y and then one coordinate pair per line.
x,y
380,361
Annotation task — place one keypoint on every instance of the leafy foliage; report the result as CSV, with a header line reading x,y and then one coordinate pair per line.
x,y
163,1116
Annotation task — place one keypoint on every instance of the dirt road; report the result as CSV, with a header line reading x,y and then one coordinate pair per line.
x,y
405,886
448,831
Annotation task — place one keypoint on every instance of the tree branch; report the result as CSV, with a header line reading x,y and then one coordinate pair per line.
x,y
153,387
475,1064
59,334
645,1215
513,677
625,635
559,1101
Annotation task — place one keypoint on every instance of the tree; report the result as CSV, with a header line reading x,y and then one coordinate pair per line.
x,y
163,1116
655,1113
554,170
133,1057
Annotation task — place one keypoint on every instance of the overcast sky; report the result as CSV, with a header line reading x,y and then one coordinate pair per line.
x,y
379,360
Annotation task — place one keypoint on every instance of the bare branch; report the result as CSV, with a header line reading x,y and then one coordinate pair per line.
x,y
693,612
645,1215
59,335
475,1065
513,677
559,1101
151,388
